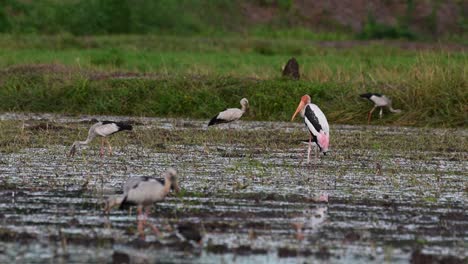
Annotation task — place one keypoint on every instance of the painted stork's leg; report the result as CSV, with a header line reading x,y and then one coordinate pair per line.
x,y
109,146
316,157
141,218
301,156
101,151
309,149
154,228
370,114
381,112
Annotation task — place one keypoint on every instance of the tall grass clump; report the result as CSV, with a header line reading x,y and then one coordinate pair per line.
x,y
437,92
432,92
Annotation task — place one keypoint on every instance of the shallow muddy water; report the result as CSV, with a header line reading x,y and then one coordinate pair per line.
x,y
392,195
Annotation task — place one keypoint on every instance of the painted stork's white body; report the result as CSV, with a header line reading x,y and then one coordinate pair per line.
x,y
102,129
381,101
230,114
316,123
144,191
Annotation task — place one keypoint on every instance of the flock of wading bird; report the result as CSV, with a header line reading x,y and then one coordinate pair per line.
x,y
144,191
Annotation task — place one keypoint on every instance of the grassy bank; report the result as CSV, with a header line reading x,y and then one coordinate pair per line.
x,y
197,77
431,99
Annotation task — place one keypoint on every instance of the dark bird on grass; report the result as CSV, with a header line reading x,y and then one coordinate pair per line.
x,y
143,192
102,129
316,123
381,101
291,69
230,114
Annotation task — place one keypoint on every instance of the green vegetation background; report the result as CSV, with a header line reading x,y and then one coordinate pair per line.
x,y
194,66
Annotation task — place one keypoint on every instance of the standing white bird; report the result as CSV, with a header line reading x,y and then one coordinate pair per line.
x,y
381,101
144,191
230,114
102,129
316,123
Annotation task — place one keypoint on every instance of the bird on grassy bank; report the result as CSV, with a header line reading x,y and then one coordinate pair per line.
x,y
144,191
381,101
102,129
316,123
230,114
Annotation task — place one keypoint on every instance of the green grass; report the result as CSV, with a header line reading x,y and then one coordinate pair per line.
x,y
196,77
272,19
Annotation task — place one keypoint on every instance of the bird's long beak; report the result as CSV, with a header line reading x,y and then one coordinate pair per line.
x,y
299,108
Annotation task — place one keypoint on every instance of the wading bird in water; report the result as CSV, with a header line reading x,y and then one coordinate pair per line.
x,y
316,123
102,129
381,101
143,192
230,114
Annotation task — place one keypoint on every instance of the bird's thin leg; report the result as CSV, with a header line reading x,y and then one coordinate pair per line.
x,y
309,149
110,148
101,151
154,228
301,156
381,112
316,158
370,114
140,218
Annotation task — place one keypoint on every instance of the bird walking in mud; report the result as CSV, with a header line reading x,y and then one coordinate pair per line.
x,y
381,101
230,114
143,192
102,129
316,123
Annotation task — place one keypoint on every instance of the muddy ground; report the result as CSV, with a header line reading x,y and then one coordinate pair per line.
x,y
394,194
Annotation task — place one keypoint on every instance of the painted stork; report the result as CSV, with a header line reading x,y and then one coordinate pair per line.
x,y
316,123
230,114
102,129
381,101
144,191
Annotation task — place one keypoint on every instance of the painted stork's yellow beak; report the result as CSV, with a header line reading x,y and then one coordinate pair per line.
x,y
299,108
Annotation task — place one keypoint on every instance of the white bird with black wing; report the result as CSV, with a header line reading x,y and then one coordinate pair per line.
x,y
143,192
102,129
316,123
381,101
230,114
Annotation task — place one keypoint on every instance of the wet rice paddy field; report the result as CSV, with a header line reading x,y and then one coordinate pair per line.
x,y
395,194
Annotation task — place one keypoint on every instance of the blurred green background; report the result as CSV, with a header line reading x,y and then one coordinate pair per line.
x,y
193,58
410,19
